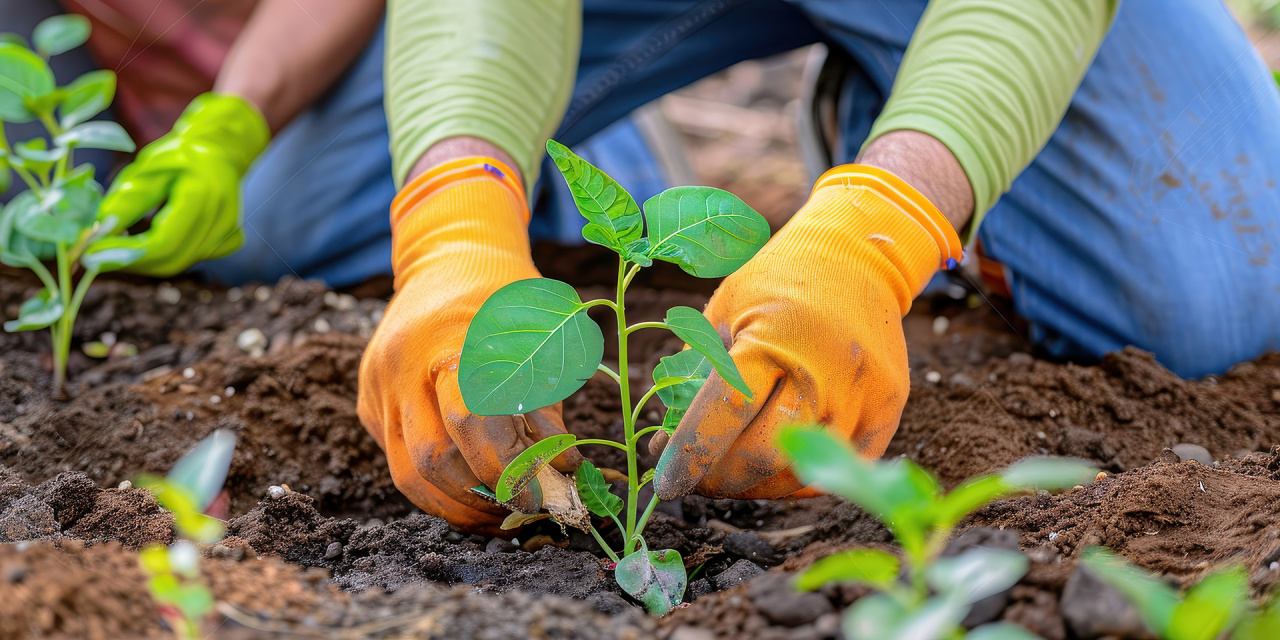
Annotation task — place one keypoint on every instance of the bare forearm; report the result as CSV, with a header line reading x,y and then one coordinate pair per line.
x,y
459,147
292,50
929,166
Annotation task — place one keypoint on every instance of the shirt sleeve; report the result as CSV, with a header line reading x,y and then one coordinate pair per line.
x,y
991,79
498,70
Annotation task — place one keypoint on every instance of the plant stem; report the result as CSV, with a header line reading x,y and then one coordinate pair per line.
x,y
62,336
635,437
602,441
609,372
635,413
645,325
628,424
603,545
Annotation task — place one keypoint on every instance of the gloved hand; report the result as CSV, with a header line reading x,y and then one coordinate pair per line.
x,y
195,171
458,235
814,324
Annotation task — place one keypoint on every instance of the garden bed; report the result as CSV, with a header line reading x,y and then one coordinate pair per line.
x,y
321,544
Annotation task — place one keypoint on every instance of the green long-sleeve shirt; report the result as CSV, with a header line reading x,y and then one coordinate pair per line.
x,y
991,79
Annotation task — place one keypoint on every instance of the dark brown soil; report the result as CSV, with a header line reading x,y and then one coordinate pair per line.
x,y
340,549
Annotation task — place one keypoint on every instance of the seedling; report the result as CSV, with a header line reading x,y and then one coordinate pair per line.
x,y
531,345
1216,605
55,219
936,593
191,486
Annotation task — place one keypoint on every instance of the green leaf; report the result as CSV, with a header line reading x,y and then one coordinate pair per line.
x,y
37,154
1212,606
1155,600
964,499
708,232
60,34
873,617
594,491
203,470
12,38
656,578
870,567
671,419
694,328
530,345
613,217
1048,473
525,467
23,76
194,601
41,225
112,259
154,559
977,573
15,249
6,175
1001,631
1260,624
689,364
87,96
99,134
40,311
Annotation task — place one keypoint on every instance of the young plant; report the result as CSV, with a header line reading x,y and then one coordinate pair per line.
x,y
1217,605
531,345
191,486
936,593
54,220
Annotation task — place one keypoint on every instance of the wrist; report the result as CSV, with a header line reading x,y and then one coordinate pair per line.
x,y
926,164
461,147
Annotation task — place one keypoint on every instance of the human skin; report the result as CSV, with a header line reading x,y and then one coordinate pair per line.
x,y
290,51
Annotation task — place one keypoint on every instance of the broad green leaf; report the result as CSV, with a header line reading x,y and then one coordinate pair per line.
x,y
40,311
694,328
1048,473
594,491
655,578
874,617
40,224
964,499
111,259
37,155
154,559
17,250
690,364
23,76
870,567
977,573
671,419
12,38
525,467
613,217
60,34
1155,600
936,619
203,470
87,96
99,134
1260,624
1001,631
1212,606
708,232
194,601
530,345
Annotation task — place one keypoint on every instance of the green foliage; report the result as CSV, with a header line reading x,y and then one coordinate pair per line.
x,y
1215,606
531,344
55,219
189,488
936,593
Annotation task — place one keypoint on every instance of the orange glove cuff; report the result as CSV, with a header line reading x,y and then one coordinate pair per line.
x,y
451,173
910,202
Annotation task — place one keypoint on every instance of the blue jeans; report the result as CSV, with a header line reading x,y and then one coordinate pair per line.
x,y
1151,218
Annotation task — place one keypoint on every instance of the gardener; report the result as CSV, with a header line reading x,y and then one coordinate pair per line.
x,y
1126,184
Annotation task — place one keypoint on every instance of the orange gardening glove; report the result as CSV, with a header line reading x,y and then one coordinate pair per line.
x,y
458,235
814,323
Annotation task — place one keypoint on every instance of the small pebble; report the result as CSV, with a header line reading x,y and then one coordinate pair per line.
x,y
191,416
1100,476
168,293
1188,451
498,545
125,485
188,373
940,325
108,338
234,294
334,550
262,294
229,391
187,387
1020,358
204,296
215,399
275,491
252,342
933,377
321,325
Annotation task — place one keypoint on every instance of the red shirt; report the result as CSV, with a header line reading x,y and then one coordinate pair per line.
x,y
165,53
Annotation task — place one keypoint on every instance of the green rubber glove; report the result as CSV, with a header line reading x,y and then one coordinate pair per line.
x,y
195,172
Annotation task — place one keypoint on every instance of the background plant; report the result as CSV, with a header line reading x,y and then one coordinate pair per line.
x,y
1217,605
531,344
174,571
929,596
55,219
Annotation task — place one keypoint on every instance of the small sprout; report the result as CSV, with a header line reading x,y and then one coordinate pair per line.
x,y
937,593
531,345
48,228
